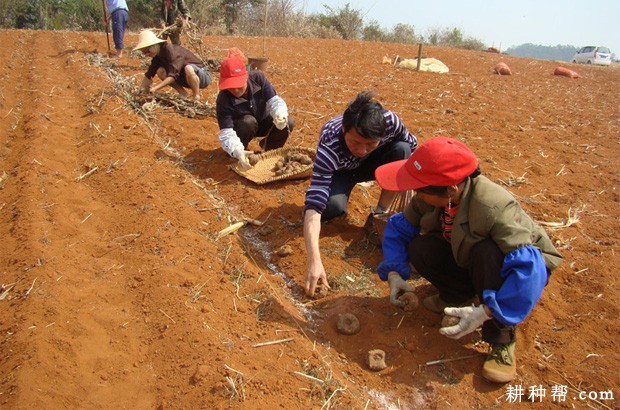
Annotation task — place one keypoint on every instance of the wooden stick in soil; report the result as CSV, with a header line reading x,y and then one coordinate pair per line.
x,y
32,286
449,360
92,171
309,377
326,404
273,342
227,367
168,316
6,291
105,23
265,29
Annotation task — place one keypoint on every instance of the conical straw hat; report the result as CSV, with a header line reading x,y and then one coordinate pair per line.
x,y
146,39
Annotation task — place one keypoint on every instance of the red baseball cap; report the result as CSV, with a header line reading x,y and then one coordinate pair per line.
x,y
440,161
232,73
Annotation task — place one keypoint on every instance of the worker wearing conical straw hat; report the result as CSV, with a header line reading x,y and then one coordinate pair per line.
x,y
175,66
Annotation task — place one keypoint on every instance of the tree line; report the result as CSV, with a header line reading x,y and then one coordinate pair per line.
x,y
559,52
273,18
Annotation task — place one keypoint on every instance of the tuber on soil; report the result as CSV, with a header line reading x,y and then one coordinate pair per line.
x,y
449,320
253,159
502,69
292,163
411,301
348,324
376,359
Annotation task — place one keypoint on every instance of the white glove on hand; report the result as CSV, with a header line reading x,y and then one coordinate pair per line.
x,y
398,286
472,317
280,120
242,156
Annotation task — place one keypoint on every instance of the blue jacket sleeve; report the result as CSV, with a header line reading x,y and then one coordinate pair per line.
x,y
396,236
525,276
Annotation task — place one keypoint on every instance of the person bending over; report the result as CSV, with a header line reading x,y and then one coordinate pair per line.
x,y
175,66
247,107
351,146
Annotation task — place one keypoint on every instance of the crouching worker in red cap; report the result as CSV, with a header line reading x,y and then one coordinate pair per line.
x,y
247,106
176,66
469,237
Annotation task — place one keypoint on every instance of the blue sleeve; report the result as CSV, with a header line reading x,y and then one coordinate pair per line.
x,y
525,276
396,236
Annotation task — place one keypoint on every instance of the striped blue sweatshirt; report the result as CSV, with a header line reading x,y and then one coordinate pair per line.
x,y
333,155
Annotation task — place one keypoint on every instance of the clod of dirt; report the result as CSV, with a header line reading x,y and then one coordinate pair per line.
x,y
284,250
201,374
448,321
253,159
502,69
376,360
411,301
348,324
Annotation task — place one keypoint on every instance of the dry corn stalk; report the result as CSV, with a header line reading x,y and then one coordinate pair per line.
x,y
232,228
572,219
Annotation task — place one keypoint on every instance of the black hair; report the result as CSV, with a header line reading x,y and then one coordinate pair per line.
x,y
443,190
366,115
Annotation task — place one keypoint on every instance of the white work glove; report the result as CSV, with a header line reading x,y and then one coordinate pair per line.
x,y
280,120
398,286
472,317
242,156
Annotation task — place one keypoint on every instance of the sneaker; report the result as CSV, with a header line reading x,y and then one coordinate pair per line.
x,y
500,365
436,304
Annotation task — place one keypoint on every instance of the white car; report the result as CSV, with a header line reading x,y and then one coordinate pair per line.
x,y
593,55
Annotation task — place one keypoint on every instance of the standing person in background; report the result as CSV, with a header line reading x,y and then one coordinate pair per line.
x,y
351,146
118,13
248,106
169,13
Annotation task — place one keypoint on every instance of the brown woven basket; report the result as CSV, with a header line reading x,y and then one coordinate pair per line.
x,y
262,173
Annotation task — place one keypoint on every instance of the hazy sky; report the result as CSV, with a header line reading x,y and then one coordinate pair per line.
x,y
498,23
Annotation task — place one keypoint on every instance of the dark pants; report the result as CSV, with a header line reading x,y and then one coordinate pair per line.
x,y
432,257
344,181
119,24
247,128
175,35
